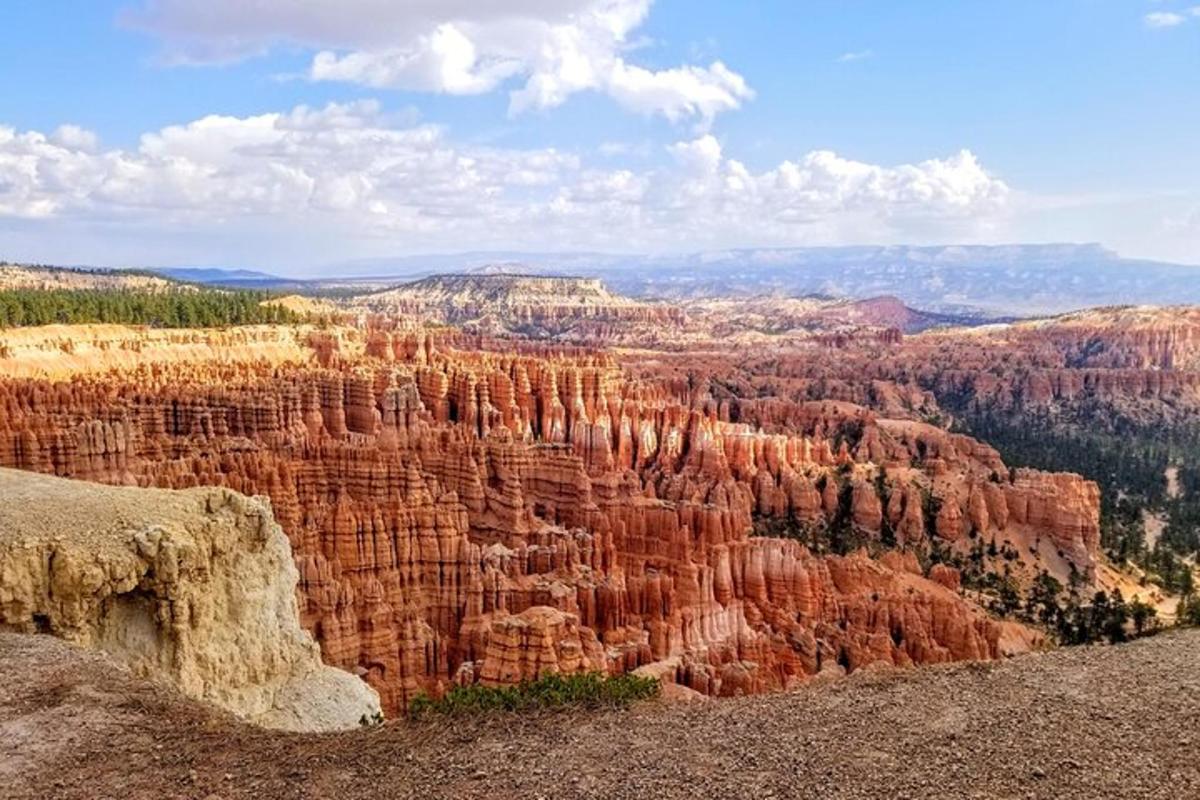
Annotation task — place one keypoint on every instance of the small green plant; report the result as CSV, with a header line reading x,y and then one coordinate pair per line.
x,y
370,720
1188,611
582,690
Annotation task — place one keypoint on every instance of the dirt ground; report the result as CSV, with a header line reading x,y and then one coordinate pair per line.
x,y
1100,722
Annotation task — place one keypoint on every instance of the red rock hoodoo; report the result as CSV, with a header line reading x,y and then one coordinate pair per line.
x,y
462,514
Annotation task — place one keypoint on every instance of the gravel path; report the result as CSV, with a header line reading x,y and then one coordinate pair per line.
x,y
1103,722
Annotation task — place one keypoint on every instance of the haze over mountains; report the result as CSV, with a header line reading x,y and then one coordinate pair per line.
x,y
1011,280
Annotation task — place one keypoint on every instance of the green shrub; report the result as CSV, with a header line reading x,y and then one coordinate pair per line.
x,y
1188,611
582,690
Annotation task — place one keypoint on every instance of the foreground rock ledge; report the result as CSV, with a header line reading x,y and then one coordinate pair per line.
x,y
1088,722
197,587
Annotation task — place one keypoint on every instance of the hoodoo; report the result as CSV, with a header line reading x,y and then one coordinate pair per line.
x,y
461,515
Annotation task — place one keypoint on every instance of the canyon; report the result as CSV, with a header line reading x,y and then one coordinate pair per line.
x,y
1129,365
462,512
482,479
602,399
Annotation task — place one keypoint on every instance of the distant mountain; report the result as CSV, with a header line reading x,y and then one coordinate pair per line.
x,y
1005,280
1010,280
1023,280
217,276
502,261
463,297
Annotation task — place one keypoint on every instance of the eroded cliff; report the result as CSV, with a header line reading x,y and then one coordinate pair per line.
x,y
195,587
461,514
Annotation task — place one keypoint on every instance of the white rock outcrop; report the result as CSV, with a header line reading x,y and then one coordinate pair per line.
x,y
197,587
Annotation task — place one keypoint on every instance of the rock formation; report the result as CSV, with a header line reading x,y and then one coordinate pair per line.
x,y
25,276
462,512
196,587
567,308
1108,368
584,311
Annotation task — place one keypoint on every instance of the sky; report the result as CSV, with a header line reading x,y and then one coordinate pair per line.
x,y
292,134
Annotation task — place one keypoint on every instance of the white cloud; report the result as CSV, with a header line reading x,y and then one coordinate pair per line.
x,y
825,197
348,173
1170,19
641,149
445,60
556,47
75,137
1164,19
855,55
678,93
701,155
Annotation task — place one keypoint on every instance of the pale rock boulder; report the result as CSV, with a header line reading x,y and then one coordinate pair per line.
x,y
194,587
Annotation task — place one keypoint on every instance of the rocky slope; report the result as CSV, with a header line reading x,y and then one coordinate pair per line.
x,y
22,276
1129,365
1136,367
1103,722
463,514
570,308
65,351
1137,363
775,320
194,587
584,311
1123,337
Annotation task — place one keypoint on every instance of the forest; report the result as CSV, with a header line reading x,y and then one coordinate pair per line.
x,y
202,308
1130,468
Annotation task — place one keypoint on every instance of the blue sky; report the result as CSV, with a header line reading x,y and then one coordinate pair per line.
x,y
618,125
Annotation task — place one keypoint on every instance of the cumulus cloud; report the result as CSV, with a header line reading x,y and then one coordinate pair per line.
x,y
349,170
554,48
831,198
1164,19
1170,19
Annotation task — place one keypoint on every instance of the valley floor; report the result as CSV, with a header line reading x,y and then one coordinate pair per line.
x,y
1098,722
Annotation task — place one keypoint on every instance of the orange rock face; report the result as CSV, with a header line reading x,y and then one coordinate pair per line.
x,y
550,307
461,514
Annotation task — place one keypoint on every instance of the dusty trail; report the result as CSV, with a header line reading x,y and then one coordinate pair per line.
x,y
1104,722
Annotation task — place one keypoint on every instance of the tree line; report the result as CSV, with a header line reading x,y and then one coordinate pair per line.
x,y
201,308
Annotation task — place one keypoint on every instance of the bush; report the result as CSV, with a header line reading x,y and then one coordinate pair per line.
x,y
1188,612
583,690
